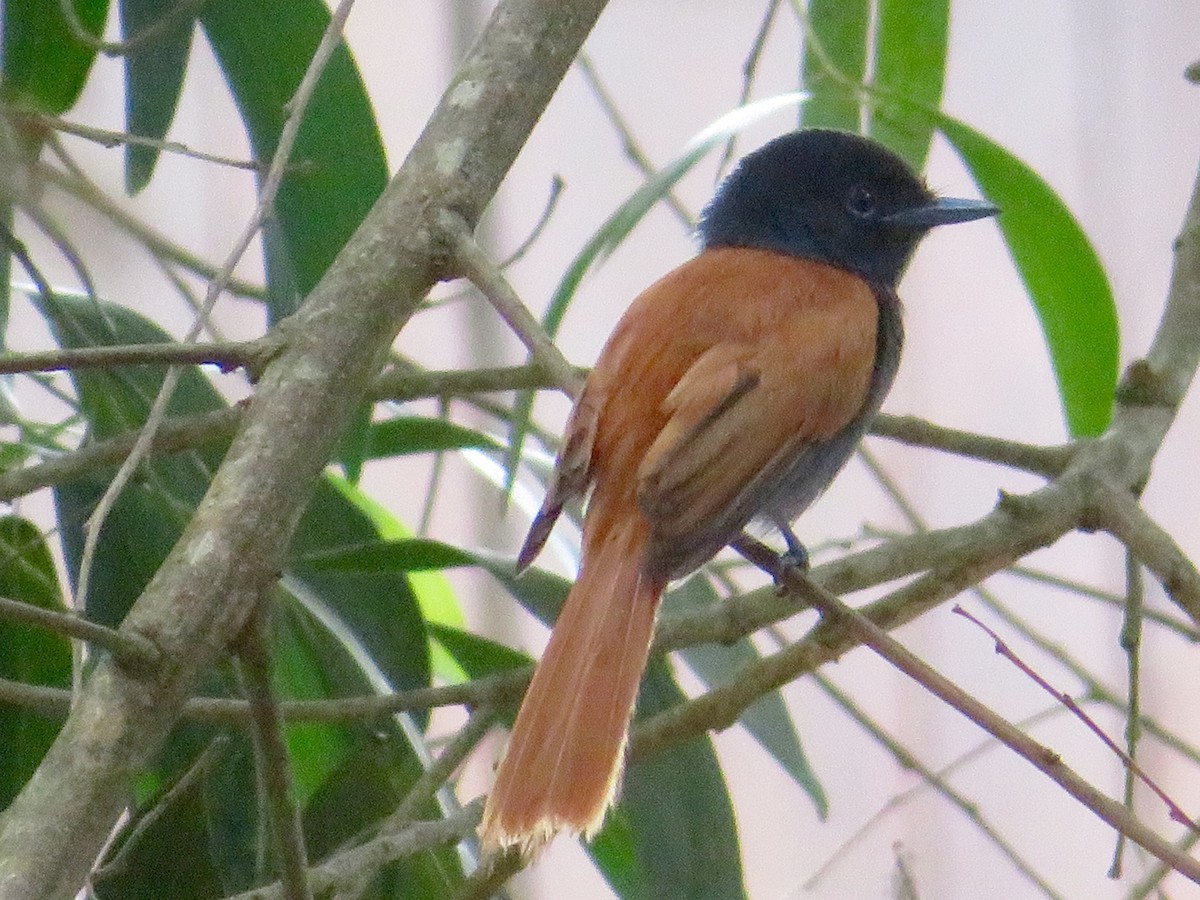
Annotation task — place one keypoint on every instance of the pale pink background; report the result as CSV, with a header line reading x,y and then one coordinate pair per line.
x,y
1092,96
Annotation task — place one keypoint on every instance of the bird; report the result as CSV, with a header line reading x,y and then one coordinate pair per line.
x,y
731,391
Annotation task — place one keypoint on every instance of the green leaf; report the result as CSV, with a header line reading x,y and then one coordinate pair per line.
x,y
307,665
44,64
353,448
146,863
478,656
840,27
910,63
371,607
407,555
1065,279
338,164
149,516
404,435
372,781
677,809
34,656
767,720
153,81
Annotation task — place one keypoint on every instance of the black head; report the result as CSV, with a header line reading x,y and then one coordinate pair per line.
x,y
831,196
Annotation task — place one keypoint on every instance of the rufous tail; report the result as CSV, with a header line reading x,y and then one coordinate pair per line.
x,y
564,759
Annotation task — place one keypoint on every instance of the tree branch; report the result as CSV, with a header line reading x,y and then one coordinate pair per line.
x,y
271,764
226,356
131,650
235,543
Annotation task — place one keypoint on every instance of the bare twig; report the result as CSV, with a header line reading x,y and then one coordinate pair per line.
x,y
271,757
172,17
219,425
158,246
451,757
1041,757
107,138
629,143
556,189
345,868
226,356
1068,701
474,263
1131,643
1048,461
236,541
200,767
938,781
131,650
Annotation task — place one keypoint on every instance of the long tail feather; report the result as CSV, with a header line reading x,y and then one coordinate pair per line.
x,y
565,756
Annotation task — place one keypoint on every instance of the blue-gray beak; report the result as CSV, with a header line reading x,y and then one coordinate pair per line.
x,y
942,211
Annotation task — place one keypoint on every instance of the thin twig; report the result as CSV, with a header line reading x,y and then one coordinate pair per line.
x,y
937,780
1041,757
271,757
556,189
225,355
157,245
200,767
346,868
295,110
219,425
171,437
629,143
1131,642
474,263
749,70
131,650
916,432
432,779
1064,698
38,215
106,138
172,17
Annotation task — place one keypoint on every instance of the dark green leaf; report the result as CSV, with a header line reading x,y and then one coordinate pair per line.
x,y
910,63
146,862
408,555
45,65
840,28
338,164
149,516
372,781
1062,273
233,820
404,435
34,656
309,665
375,605
767,720
153,80
677,809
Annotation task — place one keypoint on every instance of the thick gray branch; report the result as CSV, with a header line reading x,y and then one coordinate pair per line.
x,y
232,549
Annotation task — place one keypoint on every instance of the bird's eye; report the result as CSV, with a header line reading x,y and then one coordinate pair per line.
x,y
860,201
